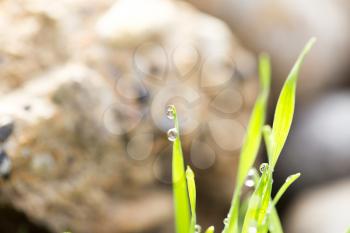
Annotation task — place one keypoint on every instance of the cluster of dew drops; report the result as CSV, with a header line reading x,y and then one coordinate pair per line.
x,y
170,113
172,135
250,182
251,229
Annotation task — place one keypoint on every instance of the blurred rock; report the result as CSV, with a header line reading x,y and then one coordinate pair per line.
x,y
318,146
281,28
68,173
36,36
321,210
130,22
89,145
30,42
189,59
6,128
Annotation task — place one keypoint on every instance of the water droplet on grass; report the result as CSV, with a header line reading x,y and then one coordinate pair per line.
x,y
251,172
172,134
170,112
263,167
252,229
290,177
197,228
249,183
250,178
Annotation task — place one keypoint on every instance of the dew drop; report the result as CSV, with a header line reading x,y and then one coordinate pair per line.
x,y
226,221
170,112
197,228
250,178
263,167
289,178
251,172
252,229
249,183
172,134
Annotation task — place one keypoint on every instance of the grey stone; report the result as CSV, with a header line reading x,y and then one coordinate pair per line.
x,y
318,146
321,210
88,98
6,128
281,28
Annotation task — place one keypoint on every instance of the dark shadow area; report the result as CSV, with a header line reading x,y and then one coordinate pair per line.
x,y
13,221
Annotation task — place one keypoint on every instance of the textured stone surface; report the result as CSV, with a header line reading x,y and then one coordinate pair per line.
x,y
30,42
321,210
89,150
281,28
68,172
205,72
319,144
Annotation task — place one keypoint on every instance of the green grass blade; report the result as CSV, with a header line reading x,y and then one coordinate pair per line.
x,y
269,141
242,212
275,225
181,197
191,186
275,139
256,200
265,202
265,72
285,186
210,230
272,217
272,222
285,105
251,142
254,131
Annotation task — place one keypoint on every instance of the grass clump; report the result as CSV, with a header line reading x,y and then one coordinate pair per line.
x,y
260,215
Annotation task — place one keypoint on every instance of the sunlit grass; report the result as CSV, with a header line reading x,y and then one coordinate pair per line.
x,y
259,214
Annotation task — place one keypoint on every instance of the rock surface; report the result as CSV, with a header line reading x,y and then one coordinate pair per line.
x,y
89,150
207,75
30,42
318,146
322,210
281,28
68,173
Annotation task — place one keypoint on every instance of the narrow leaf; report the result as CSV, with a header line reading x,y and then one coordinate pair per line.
x,y
265,201
254,131
191,186
265,71
210,230
252,141
181,202
269,141
285,186
256,201
275,225
285,105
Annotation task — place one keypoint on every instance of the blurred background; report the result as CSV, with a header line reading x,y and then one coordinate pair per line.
x,y
85,84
